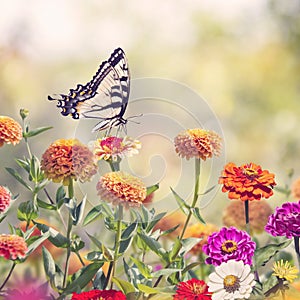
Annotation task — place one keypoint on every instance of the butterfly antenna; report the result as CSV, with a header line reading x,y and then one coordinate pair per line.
x,y
132,117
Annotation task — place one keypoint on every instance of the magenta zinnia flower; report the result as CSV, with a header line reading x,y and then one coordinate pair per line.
x,y
98,294
192,289
229,243
285,221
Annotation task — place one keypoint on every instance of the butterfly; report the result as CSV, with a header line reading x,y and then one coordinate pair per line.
x,y
104,98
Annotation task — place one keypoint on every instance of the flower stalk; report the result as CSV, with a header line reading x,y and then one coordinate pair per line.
x,y
195,197
69,232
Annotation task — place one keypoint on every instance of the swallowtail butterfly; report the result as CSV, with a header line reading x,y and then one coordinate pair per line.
x,y
104,98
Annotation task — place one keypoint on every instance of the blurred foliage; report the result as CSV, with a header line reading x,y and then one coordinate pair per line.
x,y
246,65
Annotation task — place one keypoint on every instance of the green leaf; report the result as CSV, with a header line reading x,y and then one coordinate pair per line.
x,y
154,245
18,177
175,249
49,264
156,219
189,243
60,194
123,285
83,277
191,266
181,203
24,164
165,272
46,205
147,289
27,211
151,189
264,254
106,252
79,211
92,215
38,241
129,231
208,190
197,215
35,132
55,237
143,268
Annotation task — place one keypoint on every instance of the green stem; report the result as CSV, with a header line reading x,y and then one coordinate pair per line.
x,y
69,231
194,202
117,244
195,197
8,276
297,249
247,216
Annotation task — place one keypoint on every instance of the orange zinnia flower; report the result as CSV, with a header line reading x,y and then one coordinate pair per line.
x,y
199,230
247,182
121,187
68,159
10,131
5,198
259,212
197,143
12,246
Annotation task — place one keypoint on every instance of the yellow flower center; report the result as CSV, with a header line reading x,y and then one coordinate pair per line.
x,y
229,246
231,283
250,173
198,289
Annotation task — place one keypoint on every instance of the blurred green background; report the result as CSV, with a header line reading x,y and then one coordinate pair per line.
x,y
241,56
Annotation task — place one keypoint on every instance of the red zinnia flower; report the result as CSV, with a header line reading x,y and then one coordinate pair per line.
x,y
193,289
99,295
247,182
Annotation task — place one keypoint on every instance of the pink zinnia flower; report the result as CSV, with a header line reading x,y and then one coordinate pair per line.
x,y
5,198
229,244
12,246
285,221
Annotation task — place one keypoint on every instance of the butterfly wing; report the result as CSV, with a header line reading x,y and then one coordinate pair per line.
x,y
105,97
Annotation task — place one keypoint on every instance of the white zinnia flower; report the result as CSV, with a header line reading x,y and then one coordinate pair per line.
x,y
231,280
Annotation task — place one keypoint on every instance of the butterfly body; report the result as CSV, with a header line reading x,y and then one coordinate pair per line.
x,y
104,98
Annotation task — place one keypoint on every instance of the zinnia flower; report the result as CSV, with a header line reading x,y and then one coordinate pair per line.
x,y
247,182
295,189
115,148
12,246
227,244
5,198
259,212
99,295
121,187
192,289
285,271
285,221
231,280
200,230
68,159
197,143
10,131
